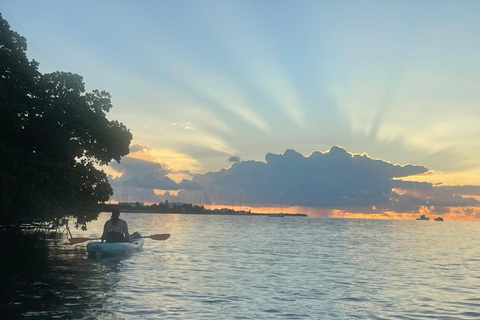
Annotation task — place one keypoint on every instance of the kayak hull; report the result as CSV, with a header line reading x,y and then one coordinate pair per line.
x,y
114,248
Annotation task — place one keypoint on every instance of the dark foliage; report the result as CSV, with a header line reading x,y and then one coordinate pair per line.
x,y
53,138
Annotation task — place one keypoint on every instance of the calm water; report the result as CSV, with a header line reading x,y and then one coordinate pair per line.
x,y
218,267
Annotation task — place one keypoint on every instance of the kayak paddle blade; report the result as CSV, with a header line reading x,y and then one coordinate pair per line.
x,y
78,240
159,236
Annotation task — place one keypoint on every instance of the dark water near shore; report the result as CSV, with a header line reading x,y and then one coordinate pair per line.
x,y
220,267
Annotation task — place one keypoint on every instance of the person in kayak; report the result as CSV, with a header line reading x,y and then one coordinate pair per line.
x,y
115,229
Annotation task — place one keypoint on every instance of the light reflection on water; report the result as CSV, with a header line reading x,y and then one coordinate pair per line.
x,y
260,268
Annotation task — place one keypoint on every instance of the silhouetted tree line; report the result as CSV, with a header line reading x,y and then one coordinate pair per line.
x,y
162,207
53,138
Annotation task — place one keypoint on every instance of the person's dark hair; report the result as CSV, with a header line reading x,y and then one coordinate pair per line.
x,y
115,215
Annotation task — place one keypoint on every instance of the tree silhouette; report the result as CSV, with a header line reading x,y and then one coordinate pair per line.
x,y
53,139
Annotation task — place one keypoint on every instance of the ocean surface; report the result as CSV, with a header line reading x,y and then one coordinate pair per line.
x,y
259,267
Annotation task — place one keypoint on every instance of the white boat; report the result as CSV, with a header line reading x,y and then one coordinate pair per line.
x,y
104,249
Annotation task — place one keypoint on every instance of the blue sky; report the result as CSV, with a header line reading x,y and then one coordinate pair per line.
x,y
200,81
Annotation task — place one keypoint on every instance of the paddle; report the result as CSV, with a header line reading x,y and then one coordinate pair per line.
x,y
157,237
80,240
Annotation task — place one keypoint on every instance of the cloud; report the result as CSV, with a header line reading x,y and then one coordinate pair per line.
x,y
415,194
333,179
131,167
138,147
462,190
234,159
150,181
185,125
188,185
124,193
140,176
145,174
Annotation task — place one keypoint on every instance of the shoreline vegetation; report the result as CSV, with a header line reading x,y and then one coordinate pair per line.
x,y
187,208
54,139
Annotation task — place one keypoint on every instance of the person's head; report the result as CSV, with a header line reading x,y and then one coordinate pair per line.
x,y
115,214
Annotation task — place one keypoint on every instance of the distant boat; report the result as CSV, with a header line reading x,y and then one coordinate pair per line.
x,y
439,219
422,217
278,215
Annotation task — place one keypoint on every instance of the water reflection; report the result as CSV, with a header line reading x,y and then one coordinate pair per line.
x,y
43,279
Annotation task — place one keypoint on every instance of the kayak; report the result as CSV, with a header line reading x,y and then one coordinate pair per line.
x,y
115,248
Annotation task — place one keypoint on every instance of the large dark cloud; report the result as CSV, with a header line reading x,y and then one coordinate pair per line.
x,y
332,179
335,179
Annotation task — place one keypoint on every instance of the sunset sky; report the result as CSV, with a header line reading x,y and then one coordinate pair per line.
x,y
333,108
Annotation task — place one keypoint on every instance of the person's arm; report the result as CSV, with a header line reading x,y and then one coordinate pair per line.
x,y
104,235
125,230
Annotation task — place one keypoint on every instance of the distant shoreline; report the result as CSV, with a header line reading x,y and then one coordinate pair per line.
x,y
187,208
218,214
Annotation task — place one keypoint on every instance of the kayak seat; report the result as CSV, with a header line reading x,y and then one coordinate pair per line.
x,y
136,235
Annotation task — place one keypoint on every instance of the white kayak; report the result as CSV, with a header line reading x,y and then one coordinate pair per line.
x,y
115,248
